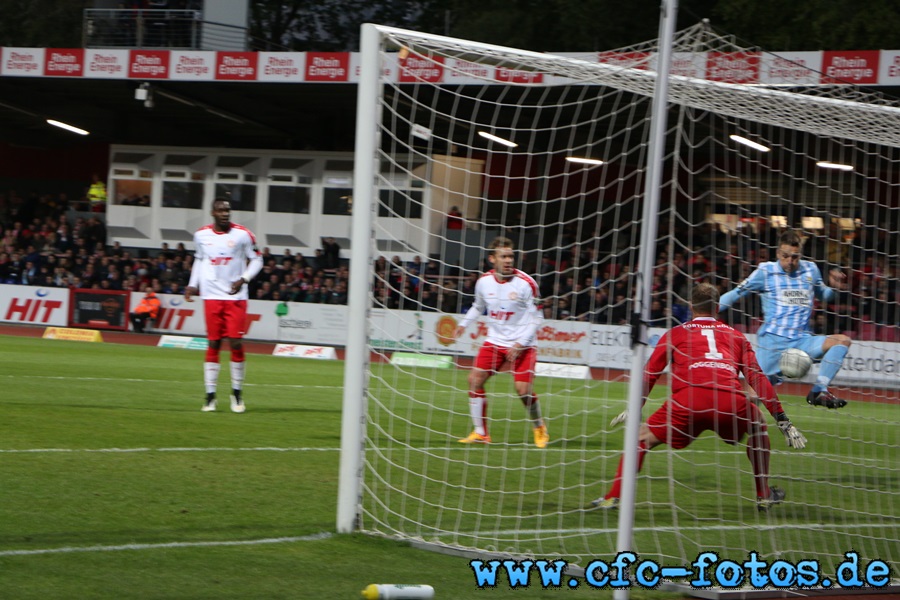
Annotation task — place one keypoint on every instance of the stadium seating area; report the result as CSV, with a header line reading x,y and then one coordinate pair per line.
x,y
47,243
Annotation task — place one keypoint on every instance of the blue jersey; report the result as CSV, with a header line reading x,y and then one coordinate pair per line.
x,y
787,299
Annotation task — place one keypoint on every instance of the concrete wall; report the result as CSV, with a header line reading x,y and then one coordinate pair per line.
x,y
225,24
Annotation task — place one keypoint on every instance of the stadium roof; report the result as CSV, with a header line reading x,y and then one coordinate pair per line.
x,y
211,114
268,100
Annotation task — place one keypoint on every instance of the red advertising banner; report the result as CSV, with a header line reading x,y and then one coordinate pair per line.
x,y
327,66
733,67
236,66
863,67
149,64
839,66
416,68
64,62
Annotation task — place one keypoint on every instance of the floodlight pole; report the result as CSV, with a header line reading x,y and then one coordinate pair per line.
x,y
625,541
356,358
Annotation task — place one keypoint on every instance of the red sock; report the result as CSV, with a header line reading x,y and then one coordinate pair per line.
x,y
237,354
616,490
212,354
758,452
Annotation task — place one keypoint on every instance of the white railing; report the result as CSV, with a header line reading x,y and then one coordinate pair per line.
x,y
154,28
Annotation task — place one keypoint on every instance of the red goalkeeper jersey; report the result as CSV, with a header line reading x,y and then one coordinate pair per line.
x,y
705,353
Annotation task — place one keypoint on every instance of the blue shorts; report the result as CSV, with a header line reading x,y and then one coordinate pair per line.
x,y
769,348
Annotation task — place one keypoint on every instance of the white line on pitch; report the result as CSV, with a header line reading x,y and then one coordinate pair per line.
x,y
672,529
522,446
134,380
526,447
283,540
127,450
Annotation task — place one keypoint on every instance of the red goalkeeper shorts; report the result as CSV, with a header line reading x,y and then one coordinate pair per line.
x,y
679,421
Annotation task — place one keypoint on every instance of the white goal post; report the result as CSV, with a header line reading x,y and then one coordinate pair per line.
x,y
555,153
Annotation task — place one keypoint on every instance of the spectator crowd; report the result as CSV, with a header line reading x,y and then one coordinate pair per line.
x,y
46,244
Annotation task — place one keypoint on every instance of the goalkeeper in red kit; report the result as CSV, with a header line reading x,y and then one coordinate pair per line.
x,y
707,358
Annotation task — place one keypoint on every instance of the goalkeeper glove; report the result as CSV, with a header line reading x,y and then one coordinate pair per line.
x,y
792,435
621,418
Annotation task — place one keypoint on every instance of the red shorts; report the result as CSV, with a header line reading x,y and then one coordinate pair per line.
x,y
679,421
492,358
225,318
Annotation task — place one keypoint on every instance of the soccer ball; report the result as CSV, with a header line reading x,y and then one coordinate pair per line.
x,y
794,363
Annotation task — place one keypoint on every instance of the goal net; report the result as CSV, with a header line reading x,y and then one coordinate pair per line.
x,y
551,152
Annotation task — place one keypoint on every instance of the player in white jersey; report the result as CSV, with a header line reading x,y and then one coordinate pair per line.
x,y
226,259
508,297
788,288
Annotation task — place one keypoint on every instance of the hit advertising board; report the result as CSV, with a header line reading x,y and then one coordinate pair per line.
x,y
179,317
316,324
28,305
569,342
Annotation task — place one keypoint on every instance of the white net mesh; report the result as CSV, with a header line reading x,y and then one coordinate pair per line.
x,y
577,227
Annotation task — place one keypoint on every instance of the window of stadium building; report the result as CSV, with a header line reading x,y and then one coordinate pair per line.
x,y
236,179
182,194
288,199
131,187
337,192
337,201
241,196
402,204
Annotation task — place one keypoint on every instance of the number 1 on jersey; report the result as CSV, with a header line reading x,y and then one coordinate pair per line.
x,y
713,352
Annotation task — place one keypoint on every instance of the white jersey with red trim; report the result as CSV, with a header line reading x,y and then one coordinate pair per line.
x,y
511,308
221,258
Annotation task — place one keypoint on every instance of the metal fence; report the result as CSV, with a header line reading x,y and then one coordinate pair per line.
x,y
155,28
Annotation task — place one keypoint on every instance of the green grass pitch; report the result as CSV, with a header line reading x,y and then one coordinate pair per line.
x,y
113,484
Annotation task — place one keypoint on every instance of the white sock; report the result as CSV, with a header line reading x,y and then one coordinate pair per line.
x,y
237,374
211,376
476,411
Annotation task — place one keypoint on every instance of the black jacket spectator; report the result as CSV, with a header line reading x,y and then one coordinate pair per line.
x,y
331,254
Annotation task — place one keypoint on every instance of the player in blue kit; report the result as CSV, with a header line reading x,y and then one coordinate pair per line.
x,y
788,288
